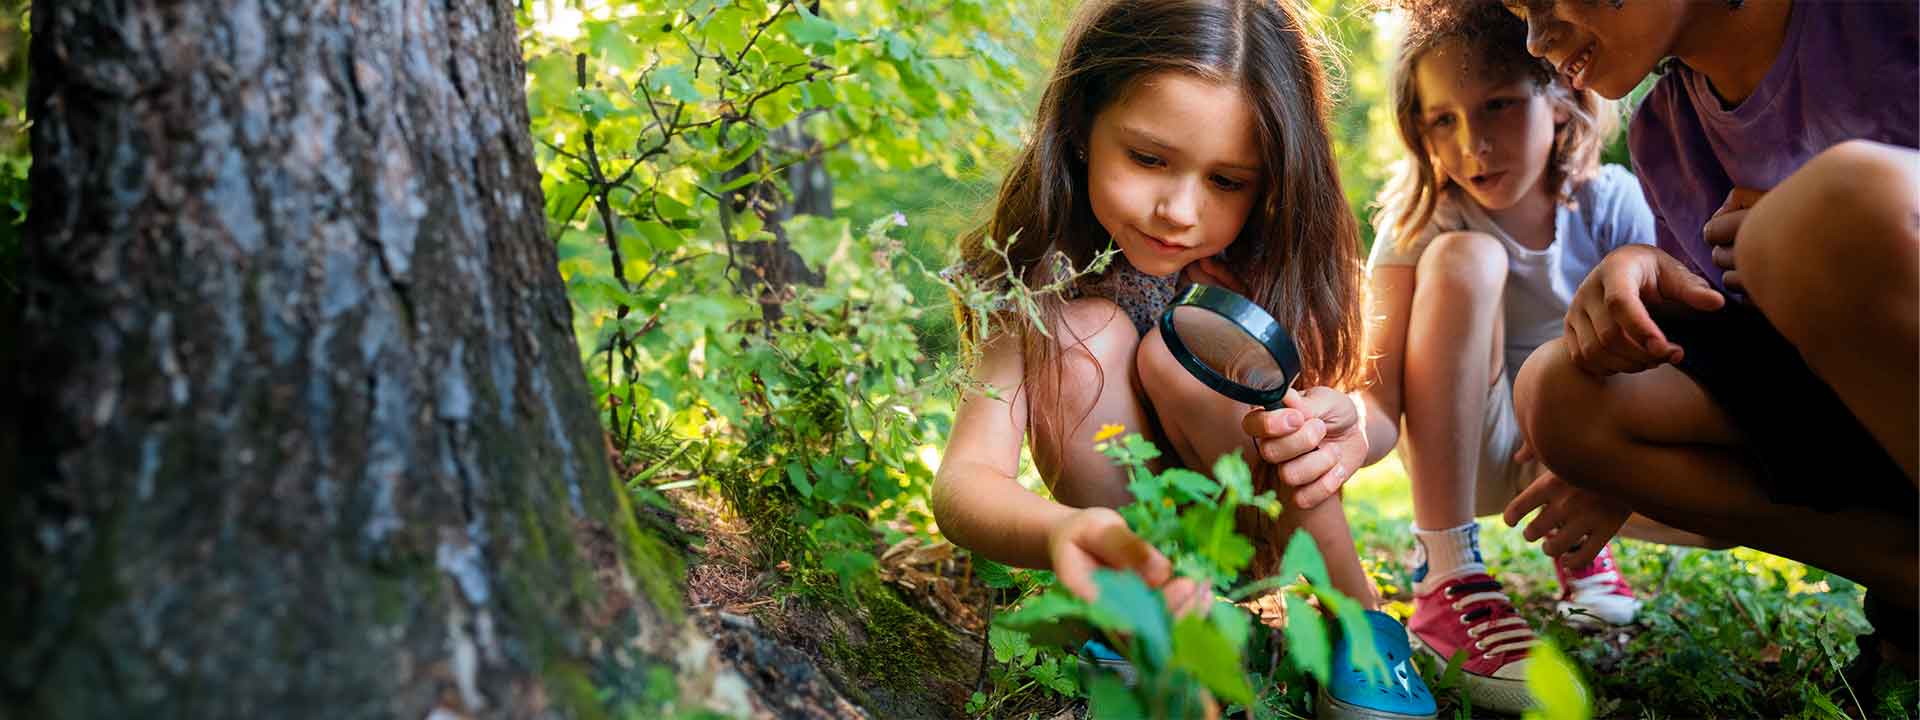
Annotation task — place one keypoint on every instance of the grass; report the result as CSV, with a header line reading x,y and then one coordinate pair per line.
x,y
1736,633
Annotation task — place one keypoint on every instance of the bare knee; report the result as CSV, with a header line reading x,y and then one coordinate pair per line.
x,y
1561,411
1469,263
1838,239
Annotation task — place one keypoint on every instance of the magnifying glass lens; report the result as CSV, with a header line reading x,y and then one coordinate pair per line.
x,y
1228,349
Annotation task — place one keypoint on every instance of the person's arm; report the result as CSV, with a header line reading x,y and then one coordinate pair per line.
x,y
980,505
977,500
1389,303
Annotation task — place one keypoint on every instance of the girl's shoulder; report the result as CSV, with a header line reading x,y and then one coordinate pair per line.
x,y
1612,207
1605,186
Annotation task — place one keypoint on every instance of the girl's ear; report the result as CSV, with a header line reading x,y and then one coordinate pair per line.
x,y
1560,112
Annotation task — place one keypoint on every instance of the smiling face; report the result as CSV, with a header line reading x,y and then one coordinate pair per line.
x,y
1173,167
1490,136
1606,46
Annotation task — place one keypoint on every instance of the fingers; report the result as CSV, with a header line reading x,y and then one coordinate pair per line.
x,y
1309,466
1326,486
1523,456
1676,282
1278,450
1098,538
1326,403
1720,231
1534,496
1186,596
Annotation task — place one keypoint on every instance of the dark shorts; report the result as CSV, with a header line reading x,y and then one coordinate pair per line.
x,y
1810,448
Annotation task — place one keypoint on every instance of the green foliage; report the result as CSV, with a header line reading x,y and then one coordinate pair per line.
x,y
1185,663
669,136
15,157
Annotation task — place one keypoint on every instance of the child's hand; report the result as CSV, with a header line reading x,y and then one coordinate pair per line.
x,y
1315,442
1213,272
1094,538
1723,226
1575,523
1608,328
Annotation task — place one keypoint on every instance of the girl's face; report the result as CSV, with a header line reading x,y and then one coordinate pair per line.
x,y
1490,137
1604,46
1173,167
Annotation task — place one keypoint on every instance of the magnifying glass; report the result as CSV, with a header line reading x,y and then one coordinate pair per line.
x,y
1231,345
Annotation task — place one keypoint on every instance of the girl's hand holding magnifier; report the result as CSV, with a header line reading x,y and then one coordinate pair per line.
x,y
1315,442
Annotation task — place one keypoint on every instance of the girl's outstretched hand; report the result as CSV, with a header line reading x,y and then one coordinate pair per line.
x,y
1575,523
1608,327
1095,538
1315,442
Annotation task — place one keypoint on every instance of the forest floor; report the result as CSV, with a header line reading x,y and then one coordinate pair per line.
x,y
1733,633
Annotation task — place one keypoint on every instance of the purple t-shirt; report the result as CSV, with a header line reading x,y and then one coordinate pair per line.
x,y
1847,70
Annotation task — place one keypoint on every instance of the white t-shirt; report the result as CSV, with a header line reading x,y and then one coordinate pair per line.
x,y
1608,212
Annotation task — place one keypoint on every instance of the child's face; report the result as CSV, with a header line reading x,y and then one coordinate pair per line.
x,y
1173,168
1490,137
1607,47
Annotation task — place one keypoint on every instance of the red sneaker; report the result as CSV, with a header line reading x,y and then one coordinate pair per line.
x,y
1471,612
1597,592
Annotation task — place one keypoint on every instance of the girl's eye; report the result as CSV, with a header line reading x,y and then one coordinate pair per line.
x,y
1228,184
1144,159
1443,121
1500,104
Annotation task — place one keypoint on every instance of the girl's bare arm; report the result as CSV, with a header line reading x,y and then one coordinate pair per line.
x,y
1390,302
977,500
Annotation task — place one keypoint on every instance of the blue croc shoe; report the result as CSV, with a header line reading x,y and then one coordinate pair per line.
x,y
1350,694
1096,655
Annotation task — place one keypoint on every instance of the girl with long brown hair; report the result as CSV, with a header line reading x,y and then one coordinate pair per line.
x,y
1191,135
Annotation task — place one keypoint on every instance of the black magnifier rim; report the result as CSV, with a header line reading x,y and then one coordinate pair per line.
x,y
1250,318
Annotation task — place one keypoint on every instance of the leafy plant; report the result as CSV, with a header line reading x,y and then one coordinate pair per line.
x,y
1189,663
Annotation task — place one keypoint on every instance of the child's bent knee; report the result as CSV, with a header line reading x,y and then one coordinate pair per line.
x,y
1556,403
1464,260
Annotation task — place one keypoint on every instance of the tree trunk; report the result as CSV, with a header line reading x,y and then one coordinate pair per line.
x,y
305,428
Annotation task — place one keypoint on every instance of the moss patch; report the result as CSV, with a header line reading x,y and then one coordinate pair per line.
x,y
900,647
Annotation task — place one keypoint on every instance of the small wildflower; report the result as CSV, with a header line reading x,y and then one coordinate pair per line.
x,y
1107,432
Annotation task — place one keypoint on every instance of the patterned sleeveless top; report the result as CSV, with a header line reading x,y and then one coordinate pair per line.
x,y
1142,296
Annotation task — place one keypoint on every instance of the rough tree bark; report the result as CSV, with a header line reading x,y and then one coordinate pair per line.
x,y
306,428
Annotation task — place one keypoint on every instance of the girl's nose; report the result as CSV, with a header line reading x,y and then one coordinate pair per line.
x,y
1180,205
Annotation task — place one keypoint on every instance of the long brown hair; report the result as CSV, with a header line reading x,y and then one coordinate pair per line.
x,y
1496,43
1298,252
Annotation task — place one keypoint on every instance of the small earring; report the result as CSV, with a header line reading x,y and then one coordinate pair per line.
x,y
1080,152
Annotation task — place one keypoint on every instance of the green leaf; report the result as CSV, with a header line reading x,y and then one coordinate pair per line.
x,y
810,29
1142,611
797,474
676,83
1193,486
1008,645
1555,685
1199,648
1307,643
738,155
1303,558
850,565
1111,700
1232,472
1363,653
992,574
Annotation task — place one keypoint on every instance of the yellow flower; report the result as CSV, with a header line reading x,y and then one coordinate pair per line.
x,y
1108,431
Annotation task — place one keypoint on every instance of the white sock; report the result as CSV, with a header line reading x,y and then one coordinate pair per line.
x,y
1441,555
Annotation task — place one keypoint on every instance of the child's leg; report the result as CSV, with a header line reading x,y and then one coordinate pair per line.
x,y
1831,257
1201,425
1096,388
1452,355
1656,441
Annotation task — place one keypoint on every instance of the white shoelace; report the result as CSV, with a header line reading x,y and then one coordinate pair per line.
x,y
1518,639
